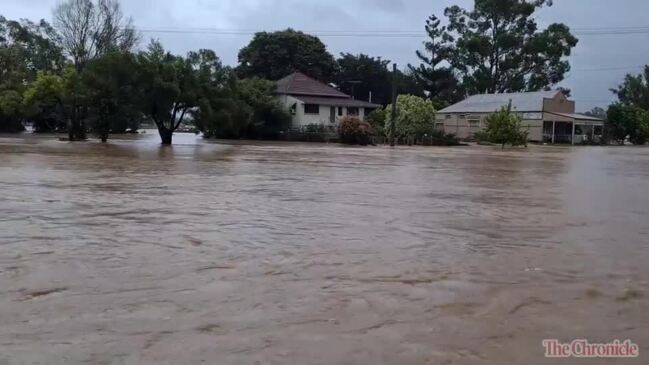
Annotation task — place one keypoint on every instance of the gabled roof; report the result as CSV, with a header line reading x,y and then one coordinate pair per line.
x,y
487,103
300,84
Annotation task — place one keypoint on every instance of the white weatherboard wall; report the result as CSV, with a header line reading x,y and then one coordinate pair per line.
x,y
301,119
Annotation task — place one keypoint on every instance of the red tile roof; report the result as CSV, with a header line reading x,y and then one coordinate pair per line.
x,y
301,84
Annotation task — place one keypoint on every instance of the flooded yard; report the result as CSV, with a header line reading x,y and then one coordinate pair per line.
x,y
274,253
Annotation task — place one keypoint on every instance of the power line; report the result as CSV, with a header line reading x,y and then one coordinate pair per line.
x,y
615,68
376,33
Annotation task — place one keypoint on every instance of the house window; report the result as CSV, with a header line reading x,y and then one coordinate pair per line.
x,y
311,109
340,111
461,116
439,125
447,116
474,123
352,111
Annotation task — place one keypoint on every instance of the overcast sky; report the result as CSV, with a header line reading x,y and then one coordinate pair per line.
x,y
589,87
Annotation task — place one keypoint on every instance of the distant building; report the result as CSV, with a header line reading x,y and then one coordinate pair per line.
x,y
312,102
549,116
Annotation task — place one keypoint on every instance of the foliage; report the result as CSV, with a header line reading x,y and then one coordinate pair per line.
x,y
597,112
112,94
170,86
497,47
627,121
35,43
377,119
634,90
439,82
91,28
51,100
363,74
269,117
438,138
504,127
415,117
275,55
354,131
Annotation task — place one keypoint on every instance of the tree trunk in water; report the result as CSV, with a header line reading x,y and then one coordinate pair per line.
x,y
165,135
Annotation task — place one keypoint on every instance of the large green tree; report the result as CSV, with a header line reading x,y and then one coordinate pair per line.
x,y
111,92
627,121
171,86
275,55
434,73
498,47
37,42
361,75
52,100
634,90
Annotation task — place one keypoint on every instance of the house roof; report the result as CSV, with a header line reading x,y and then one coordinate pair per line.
x,y
487,103
300,84
346,102
578,116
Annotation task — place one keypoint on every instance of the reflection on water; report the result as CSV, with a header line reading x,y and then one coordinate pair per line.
x,y
276,253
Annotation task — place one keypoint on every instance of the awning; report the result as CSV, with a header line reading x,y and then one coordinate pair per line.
x,y
579,117
335,101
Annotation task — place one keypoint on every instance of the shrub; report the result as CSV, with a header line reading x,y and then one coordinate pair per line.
x,y
504,127
355,131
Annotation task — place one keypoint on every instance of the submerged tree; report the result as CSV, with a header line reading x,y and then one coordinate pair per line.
x,y
497,47
51,100
504,127
275,55
112,95
434,74
627,121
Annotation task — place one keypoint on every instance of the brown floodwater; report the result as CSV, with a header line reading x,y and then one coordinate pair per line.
x,y
276,253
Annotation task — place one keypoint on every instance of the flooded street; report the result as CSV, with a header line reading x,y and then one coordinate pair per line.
x,y
274,253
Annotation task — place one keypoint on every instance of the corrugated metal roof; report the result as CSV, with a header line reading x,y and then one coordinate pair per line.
x,y
487,103
300,84
347,102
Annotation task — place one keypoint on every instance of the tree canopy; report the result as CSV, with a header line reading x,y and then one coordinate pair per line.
x,y
275,55
361,75
496,47
634,90
434,74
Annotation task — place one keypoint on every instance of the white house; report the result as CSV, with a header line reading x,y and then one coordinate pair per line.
x,y
313,102
548,115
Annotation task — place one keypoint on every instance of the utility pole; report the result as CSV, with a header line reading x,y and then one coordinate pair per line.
x,y
393,116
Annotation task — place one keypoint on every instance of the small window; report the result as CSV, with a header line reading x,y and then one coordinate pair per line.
x,y
311,109
447,116
462,116
474,123
439,125
352,111
340,111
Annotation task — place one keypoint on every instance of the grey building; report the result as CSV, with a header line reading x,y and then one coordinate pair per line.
x,y
548,115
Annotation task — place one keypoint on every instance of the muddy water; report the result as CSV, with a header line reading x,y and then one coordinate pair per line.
x,y
273,253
